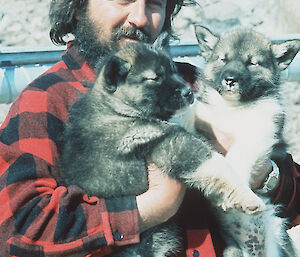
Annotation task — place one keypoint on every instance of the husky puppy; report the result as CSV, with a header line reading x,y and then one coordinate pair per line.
x,y
123,120
240,94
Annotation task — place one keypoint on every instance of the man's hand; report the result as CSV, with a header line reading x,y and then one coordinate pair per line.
x,y
161,201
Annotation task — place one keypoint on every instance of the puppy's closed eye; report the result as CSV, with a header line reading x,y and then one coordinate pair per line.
x,y
157,78
150,76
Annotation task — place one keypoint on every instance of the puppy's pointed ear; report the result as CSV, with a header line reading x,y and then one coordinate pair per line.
x,y
115,72
162,41
206,39
285,52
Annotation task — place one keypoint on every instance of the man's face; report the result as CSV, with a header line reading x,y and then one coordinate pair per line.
x,y
109,24
114,20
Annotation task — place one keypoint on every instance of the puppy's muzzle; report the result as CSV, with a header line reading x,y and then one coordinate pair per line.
x,y
187,95
230,80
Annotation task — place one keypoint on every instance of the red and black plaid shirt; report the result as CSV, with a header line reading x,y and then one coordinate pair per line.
x,y
40,218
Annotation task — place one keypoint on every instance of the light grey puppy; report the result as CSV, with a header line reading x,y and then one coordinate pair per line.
x,y
240,94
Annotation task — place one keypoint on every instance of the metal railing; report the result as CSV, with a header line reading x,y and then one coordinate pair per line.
x,y
19,66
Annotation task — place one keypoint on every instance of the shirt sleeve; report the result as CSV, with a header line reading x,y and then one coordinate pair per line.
x,y
38,216
288,192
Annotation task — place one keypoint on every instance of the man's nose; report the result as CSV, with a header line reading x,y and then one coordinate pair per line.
x,y
138,13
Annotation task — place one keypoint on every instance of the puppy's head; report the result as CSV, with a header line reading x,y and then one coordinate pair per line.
x,y
146,79
243,65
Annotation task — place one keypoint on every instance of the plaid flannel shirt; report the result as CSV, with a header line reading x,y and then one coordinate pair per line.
x,y
38,217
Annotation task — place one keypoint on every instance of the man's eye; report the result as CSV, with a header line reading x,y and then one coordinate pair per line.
x,y
158,3
125,2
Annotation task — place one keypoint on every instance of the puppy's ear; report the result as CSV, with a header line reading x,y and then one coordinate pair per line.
x,y
115,72
162,41
285,52
206,39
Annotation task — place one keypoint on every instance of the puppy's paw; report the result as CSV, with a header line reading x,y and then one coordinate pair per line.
x,y
244,200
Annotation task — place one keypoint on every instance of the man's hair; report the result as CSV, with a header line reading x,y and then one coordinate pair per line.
x,y
62,16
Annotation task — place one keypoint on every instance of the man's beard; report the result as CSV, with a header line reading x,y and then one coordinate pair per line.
x,y
93,49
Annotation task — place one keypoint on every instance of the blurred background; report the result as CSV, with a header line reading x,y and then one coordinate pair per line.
x,y
25,23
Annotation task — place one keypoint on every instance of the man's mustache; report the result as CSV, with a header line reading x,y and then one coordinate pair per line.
x,y
134,33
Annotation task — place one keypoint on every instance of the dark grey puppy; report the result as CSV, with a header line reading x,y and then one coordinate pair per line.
x,y
240,95
123,120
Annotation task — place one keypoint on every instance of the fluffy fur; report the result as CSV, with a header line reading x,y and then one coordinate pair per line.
x,y
123,120
240,95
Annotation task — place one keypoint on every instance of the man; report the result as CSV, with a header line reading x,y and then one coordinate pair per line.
x,y
41,218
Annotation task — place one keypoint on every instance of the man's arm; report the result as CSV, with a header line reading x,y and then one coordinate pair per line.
x,y
161,201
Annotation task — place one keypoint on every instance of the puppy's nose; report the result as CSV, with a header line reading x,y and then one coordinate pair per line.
x,y
188,94
231,80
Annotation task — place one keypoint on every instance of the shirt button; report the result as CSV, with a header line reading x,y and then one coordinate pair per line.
x,y
196,253
119,236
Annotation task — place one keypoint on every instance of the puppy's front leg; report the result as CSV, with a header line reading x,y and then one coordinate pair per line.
x,y
193,162
223,187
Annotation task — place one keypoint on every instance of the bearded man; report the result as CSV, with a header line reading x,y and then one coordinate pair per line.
x,y
40,217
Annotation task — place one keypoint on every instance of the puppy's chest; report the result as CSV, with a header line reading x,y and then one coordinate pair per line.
x,y
239,120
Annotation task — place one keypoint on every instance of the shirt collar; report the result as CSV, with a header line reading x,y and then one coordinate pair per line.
x,y
78,66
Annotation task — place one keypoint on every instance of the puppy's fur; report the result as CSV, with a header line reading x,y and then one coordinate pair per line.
x,y
123,120
240,95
